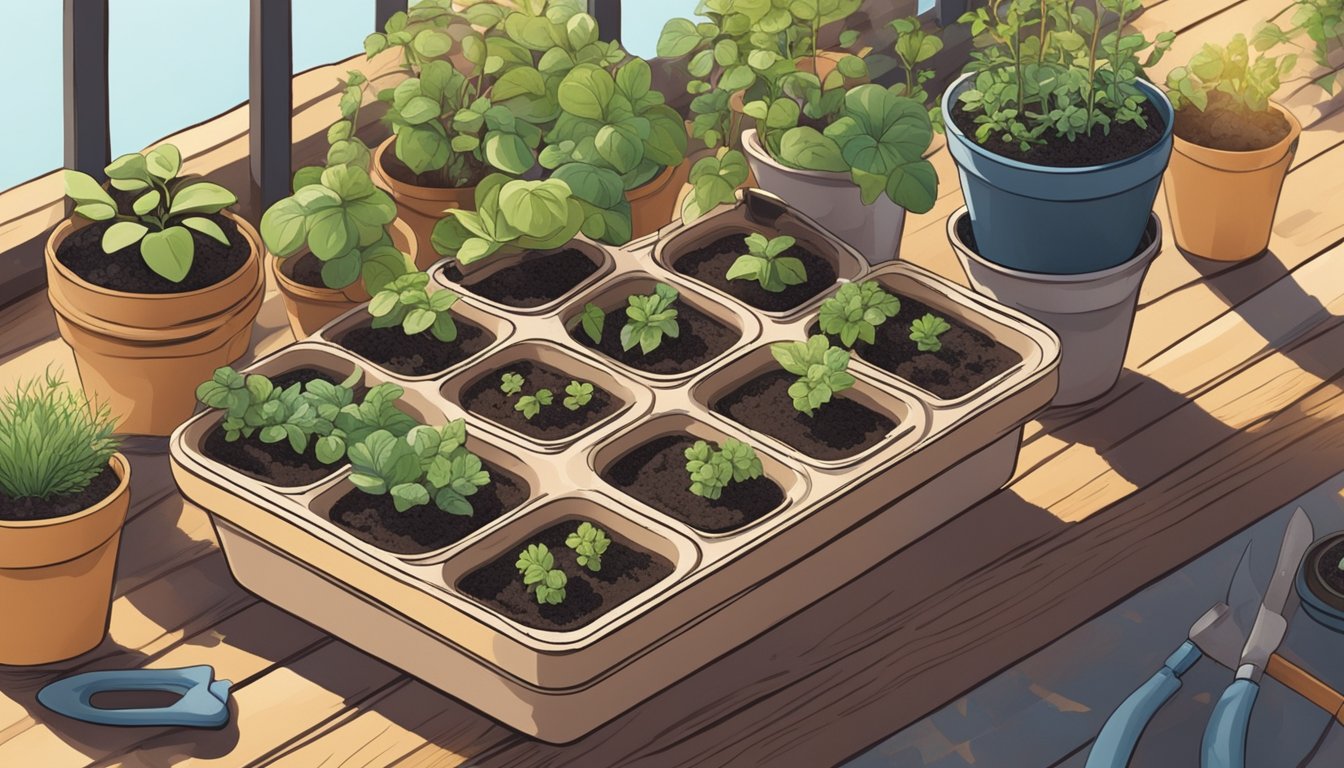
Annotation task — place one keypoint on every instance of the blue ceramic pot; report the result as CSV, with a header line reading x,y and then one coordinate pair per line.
x,y
1058,221
1320,602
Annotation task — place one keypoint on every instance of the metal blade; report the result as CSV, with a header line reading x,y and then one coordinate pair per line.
x,y
1243,594
1218,636
1270,623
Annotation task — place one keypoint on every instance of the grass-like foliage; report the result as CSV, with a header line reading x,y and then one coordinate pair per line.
x,y
52,442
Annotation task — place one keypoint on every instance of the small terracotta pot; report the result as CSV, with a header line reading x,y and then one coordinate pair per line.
x,y
654,204
310,307
1222,202
56,578
142,354
420,207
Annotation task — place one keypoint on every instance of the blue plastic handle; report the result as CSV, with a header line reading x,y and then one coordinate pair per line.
x,y
204,702
1114,746
1225,736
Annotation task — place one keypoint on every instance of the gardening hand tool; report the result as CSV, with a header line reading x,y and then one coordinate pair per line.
x,y
204,702
1224,744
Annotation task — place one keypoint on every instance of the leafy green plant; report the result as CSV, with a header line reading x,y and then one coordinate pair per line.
x,y
1247,82
52,440
428,464
592,320
1319,21
578,394
822,371
924,331
714,181
537,566
856,310
766,263
343,219
407,302
1045,70
344,147
511,215
589,542
166,211
712,469
651,318
531,405
511,383
914,48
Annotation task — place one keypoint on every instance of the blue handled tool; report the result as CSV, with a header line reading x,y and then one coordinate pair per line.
x,y
204,702
1224,744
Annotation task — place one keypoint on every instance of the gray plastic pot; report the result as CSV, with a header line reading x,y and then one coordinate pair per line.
x,y
833,201
1092,313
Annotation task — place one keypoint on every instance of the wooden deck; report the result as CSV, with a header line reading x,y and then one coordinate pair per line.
x,y
1230,407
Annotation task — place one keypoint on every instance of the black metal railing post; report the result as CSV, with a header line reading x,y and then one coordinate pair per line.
x,y
383,10
88,140
948,11
271,68
608,15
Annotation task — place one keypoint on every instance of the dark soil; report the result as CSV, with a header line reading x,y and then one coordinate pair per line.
x,y
555,421
402,172
1329,572
702,339
418,355
374,520
275,463
837,430
1097,148
126,271
655,473
33,508
1222,125
967,360
626,571
530,283
711,263
307,270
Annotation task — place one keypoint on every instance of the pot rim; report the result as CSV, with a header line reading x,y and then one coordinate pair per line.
x,y
416,191
68,227
950,128
1137,261
1238,157
119,465
655,185
751,143
1318,550
334,295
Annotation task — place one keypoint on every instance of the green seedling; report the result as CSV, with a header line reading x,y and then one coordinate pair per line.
x,y
714,181
52,441
1248,81
711,470
511,383
766,263
511,215
651,318
578,394
593,319
540,576
821,370
531,405
588,542
428,464
165,212
925,331
856,310
407,302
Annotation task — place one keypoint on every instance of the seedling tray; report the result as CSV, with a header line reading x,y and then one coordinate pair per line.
x,y
839,517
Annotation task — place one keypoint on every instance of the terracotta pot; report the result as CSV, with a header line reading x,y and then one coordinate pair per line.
x,y
654,204
420,207
310,307
143,353
56,578
1223,203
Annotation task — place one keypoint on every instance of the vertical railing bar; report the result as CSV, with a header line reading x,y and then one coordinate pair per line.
x,y
383,10
949,11
608,15
271,69
88,141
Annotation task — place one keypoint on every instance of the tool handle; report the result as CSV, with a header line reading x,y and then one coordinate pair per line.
x,y
1114,746
1305,684
1225,736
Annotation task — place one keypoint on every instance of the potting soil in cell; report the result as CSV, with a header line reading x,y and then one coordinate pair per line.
x,y
32,508
552,422
626,571
836,430
419,355
533,282
701,339
655,473
126,271
710,264
1097,148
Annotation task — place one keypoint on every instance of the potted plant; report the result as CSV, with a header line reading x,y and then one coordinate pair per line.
x,y
1059,141
1320,581
64,492
153,282
1232,146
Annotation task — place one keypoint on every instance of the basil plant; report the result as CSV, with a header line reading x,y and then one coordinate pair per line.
x,y
512,215
166,210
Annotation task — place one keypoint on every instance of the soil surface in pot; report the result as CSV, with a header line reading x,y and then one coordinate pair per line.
x,y
837,430
1329,572
966,361
655,473
125,270
275,463
1097,148
32,508
710,264
307,270
702,339
554,421
626,571
398,170
374,520
530,283
418,355
1224,126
